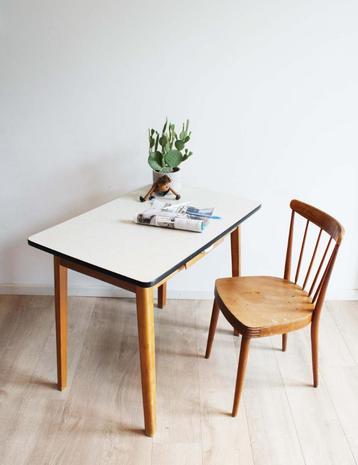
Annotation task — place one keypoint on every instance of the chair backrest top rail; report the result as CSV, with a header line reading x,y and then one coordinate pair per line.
x,y
319,218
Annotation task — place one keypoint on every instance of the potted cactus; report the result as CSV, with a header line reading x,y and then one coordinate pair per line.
x,y
167,150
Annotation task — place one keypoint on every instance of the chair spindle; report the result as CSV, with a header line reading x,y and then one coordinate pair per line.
x,y
287,272
301,253
312,259
326,272
320,267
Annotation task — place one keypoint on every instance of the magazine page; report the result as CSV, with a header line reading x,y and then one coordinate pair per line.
x,y
175,216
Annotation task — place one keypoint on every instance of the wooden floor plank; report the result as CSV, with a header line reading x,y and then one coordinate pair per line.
x,y
319,430
98,419
345,315
333,349
177,454
24,333
341,377
342,386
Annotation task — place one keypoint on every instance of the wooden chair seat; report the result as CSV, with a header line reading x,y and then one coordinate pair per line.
x,y
263,305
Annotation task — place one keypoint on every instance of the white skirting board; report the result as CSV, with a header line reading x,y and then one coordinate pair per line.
x,y
111,291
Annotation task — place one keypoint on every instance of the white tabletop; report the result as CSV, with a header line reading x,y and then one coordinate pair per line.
x,y
107,239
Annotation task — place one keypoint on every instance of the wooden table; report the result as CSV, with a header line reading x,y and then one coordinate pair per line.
x,y
106,244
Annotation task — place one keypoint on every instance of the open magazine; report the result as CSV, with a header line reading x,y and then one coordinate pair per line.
x,y
176,216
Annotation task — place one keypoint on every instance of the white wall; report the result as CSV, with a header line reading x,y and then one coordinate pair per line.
x,y
270,89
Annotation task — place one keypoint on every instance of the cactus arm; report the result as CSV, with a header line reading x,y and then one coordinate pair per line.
x,y
165,125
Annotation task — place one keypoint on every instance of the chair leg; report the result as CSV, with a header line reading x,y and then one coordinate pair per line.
x,y
284,342
212,329
244,352
314,347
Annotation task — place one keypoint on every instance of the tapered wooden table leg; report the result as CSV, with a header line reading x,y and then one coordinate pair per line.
x,y
162,295
235,252
284,342
60,274
235,257
146,336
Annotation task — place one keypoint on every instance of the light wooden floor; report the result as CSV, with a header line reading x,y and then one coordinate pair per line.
x,y
98,419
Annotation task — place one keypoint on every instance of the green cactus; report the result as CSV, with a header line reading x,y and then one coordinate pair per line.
x,y
155,160
187,154
163,140
173,158
173,150
179,144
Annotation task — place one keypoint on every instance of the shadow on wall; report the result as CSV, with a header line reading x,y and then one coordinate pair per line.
x,y
47,201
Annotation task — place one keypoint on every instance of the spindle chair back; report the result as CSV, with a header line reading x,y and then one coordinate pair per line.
x,y
325,225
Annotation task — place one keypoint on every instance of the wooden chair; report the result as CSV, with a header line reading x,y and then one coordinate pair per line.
x,y
258,306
